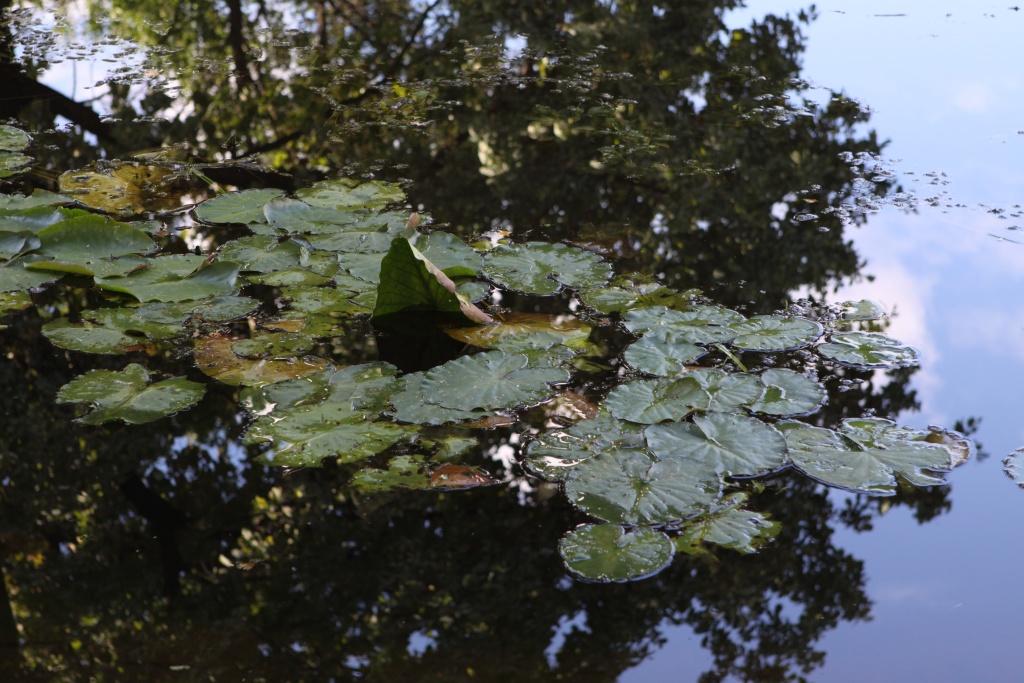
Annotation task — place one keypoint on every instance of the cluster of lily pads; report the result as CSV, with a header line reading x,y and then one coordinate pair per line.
x,y
654,461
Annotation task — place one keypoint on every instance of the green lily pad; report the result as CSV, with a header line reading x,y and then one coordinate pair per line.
x,y
128,396
729,526
345,193
634,291
15,202
661,354
11,164
237,207
404,472
788,394
92,245
450,254
218,310
697,325
730,444
173,278
35,219
370,233
410,405
837,459
274,345
609,553
656,400
295,217
552,454
13,139
13,244
15,277
774,333
520,331
213,355
865,309
633,488
868,350
411,283
107,331
542,268
325,301
12,302
490,381
729,392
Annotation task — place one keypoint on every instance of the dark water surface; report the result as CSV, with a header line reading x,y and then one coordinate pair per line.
x,y
698,144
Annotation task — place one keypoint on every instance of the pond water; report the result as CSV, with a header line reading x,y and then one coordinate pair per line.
x,y
263,484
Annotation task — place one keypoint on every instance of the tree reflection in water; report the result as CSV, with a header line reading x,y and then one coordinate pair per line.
x,y
645,130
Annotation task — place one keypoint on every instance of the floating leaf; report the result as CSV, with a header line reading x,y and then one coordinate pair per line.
x,y
542,268
519,331
345,193
108,330
324,301
128,396
656,400
788,394
404,472
295,217
490,381
727,525
774,333
730,444
661,354
237,207
607,552
551,454
92,245
449,477
837,459
729,392
410,405
273,345
868,350
13,244
450,254
370,233
215,358
633,488
410,283
697,325
865,309
12,139
633,291
220,309
173,278
12,302
14,202
123,187
35,219
15,277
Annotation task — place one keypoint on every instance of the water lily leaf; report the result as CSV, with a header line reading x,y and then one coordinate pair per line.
x,y
727,525
633,488
173,278
450,254
836,459
661,354
92,245
38,198
349,439
697,325
123,187
12,302
633,291
519,331
274,345
450,477
365,267
490,381
729,391
295,217
788,394
656,400
774,333
237,207
345,193
410,405
220,309
730,444
108,331
215,358
542,267
37,218
409,283
404,472
13,139
552,453
11,164
868,350
370,233
325,301
128,396
609,553
13,244
15,277
865,309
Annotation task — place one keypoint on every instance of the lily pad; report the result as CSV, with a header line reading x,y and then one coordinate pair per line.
x,y
729,392
406,472
868,350
837,459
729,526
108,331
609,553
345,193
730,444
774,333
173,278
633,488
634,291
450,254
123,187
520,331
128,396
552,454
295,217
13,139
237,207
92,245
490,381
274,345
38,198
15,277
788,394
656,400
213,355
661,354
697,325
410,405
411,283
543,268
864,309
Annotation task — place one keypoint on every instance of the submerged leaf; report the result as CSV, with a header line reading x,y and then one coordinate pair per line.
x,y
128,396
607,552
